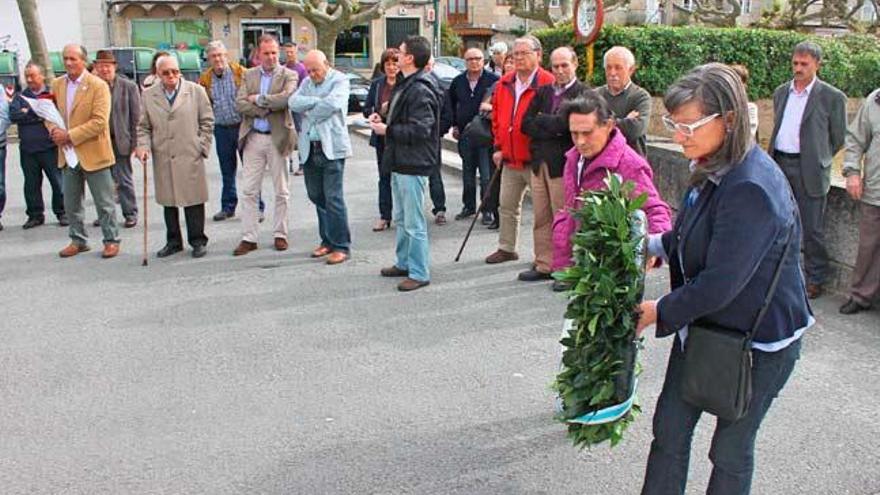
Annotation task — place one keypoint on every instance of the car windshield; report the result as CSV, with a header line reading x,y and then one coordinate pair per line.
x,y
355,78
444,71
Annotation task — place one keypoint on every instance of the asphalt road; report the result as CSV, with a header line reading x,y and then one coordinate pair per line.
x,y
275,374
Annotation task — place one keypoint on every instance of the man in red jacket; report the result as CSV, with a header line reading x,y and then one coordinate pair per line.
x,y
510,102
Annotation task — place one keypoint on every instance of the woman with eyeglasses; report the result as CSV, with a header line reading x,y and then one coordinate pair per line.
x,y
736,226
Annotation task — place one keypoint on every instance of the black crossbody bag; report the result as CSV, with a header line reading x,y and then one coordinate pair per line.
x,y
717,375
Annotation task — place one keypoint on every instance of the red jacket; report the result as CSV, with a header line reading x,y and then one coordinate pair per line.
x,y
507,127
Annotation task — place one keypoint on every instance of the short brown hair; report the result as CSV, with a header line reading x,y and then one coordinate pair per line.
x,y
266,38
388,54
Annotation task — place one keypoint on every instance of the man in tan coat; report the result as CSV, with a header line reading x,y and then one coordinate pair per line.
x,y
267,136
83,101
176,128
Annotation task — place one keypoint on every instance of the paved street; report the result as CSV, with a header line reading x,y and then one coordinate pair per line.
x,y
275,374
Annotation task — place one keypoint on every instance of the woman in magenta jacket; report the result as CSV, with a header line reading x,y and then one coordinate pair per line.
x,y
600,148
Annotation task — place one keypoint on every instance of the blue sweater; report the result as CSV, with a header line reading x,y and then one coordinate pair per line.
x,y
32,133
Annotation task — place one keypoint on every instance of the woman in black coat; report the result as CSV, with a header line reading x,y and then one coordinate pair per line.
x,y
378,99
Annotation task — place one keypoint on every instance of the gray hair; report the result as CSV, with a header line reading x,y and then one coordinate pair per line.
x,y
569,50
716,88
621,51
213,46
499,47
162,59
531,40
808,48
35,65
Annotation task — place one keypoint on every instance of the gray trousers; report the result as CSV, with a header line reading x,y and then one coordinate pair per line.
x,y
812,210
122,176
101,185
865,285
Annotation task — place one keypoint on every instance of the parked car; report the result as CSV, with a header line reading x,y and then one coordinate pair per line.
x,y
445,74
360,86
457,62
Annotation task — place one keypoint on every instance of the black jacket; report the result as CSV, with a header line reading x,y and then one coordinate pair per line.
x,y
549,131
464,103
412,140
32,133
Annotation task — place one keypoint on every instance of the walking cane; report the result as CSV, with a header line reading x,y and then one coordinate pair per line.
x,y
146,223
467,236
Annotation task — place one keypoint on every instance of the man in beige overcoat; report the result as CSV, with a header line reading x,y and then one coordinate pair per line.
x,y
176,128
267,136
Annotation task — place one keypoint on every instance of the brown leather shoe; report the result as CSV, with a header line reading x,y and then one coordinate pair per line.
x,y
321,251
244,247
280,244
501,256
336,257
393,271
409,284
111,249
73,249
814,291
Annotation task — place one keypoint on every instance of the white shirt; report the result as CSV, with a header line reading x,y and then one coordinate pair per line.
x,y
788,139
521,87
72,86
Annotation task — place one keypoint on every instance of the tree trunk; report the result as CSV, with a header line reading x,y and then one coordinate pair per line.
x,y
326,41
34,31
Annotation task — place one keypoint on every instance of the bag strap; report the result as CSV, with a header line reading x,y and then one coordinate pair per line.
x,y
766,305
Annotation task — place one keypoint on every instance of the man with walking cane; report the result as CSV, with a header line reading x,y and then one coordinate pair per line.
x,y
177,130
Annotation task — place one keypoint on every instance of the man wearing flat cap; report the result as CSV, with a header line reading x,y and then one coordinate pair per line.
x,y
125,112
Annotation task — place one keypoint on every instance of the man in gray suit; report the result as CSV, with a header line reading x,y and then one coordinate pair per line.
x,y
266,136
125,112
809,129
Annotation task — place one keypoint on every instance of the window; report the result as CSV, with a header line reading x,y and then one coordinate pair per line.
x,y
746,6
502,2
687,4
353,48
170,34
554,4
458,6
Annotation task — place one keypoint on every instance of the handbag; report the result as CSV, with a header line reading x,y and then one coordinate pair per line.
x,y
717,375
479,130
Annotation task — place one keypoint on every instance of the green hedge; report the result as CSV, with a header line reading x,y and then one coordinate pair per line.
x,y
852,63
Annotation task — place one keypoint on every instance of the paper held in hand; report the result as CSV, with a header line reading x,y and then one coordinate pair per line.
x,y
47,111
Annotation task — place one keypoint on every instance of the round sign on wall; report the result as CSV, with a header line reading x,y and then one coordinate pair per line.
x,y
588,16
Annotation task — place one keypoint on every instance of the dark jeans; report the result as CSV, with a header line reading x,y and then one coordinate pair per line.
x,y
438,194
474,158
323,180
733,444
195,225
812,210
122,176
2,179
385,202
227,154
33,165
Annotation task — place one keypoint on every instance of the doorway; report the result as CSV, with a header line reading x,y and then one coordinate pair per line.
x,y
252,29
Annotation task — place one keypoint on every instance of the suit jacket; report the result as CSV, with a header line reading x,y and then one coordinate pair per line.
x,y
179,138
723,252
272,106
125,114
548,129
89,122
823,129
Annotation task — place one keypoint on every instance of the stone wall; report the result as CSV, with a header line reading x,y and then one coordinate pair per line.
x,y
841,217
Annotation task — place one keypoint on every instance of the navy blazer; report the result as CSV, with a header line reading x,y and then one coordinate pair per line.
x,y
723,254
